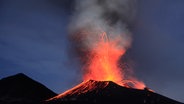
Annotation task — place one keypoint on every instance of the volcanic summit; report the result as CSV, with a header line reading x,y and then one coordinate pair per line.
x,y
108,92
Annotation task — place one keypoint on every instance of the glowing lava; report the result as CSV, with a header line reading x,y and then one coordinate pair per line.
x,y
103,63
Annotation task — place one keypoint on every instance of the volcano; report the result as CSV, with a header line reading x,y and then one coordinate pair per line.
x,y
108,92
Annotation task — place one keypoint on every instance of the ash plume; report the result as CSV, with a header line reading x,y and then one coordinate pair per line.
x,y
92,17
112,16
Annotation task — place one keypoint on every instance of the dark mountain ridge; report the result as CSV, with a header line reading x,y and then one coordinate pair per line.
x,y
20,89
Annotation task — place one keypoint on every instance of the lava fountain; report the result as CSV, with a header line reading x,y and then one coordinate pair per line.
x,y
103,62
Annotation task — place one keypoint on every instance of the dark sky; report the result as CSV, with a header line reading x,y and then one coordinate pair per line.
x,y
33,40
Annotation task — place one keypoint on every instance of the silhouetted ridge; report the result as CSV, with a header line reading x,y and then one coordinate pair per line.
x,y
21,89
107,92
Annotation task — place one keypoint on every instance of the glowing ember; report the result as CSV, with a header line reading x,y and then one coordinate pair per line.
x,y
103,63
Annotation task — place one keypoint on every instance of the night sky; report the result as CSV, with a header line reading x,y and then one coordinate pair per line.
x,y
34,40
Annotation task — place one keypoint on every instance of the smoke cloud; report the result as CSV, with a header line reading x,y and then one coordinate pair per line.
x,y
112,16
92,17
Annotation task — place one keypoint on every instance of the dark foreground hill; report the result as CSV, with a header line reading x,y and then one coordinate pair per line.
x,y
20,89
108,92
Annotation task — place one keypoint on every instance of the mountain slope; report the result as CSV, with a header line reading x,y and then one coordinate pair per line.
x,y
20,89
108,92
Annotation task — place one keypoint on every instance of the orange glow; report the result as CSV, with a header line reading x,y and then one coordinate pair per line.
x,y
103,63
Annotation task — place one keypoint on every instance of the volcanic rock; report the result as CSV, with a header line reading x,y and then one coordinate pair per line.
x,y
108,92
20,89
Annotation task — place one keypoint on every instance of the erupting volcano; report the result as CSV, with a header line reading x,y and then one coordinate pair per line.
x,y
99,31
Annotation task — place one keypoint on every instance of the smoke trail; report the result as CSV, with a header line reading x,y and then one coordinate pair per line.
x,y
92,17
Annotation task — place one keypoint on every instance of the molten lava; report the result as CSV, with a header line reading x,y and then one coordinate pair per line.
x,y
103,63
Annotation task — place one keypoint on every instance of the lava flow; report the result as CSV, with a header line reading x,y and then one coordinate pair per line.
x,y
103,63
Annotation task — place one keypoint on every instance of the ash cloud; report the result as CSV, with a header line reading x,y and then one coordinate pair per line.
x,y
92,16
